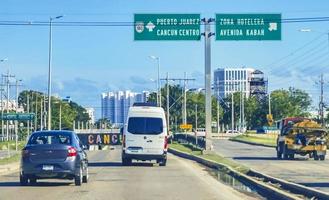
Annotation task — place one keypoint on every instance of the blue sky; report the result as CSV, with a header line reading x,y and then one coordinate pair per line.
x,y
91,60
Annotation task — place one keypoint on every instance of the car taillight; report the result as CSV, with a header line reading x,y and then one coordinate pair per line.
x,y
123,141
71,152
25,153
166,142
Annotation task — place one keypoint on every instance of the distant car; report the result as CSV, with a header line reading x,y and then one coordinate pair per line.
x,y
233,132
53,155
201,132
145,136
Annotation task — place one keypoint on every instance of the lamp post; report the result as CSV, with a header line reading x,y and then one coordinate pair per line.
x,y
49,69
16,121
158,82
2,105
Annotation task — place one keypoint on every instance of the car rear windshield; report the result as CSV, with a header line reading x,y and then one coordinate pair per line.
x,y
145,125
50,138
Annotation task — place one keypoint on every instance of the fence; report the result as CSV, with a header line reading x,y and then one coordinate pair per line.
x,y
199,142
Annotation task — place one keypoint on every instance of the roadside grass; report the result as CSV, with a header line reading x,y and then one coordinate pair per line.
x,y
190,149
263,139
14,158
4,145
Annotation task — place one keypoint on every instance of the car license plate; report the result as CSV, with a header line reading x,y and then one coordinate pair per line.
x,y
47,167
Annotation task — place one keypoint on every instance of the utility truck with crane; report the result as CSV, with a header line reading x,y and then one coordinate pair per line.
x,y
301,136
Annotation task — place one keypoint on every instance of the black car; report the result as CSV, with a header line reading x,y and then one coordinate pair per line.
x,y
53,155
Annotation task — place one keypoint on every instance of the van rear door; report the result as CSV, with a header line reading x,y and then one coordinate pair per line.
x,y
145,135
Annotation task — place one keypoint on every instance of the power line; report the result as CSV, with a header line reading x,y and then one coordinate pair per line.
x,y
123,23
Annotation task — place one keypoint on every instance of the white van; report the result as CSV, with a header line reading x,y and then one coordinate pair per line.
x,y
145,135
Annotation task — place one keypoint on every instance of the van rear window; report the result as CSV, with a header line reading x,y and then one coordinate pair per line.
x,y
145,125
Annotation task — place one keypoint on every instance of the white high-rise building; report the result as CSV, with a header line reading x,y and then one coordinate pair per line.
x,y
91,113
115,105
230,80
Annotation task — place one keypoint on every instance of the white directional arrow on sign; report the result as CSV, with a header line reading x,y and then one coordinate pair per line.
x,y
150,26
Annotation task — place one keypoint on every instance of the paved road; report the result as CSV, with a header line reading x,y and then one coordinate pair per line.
x,y
301,170
180,179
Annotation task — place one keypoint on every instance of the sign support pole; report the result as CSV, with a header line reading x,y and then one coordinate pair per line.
x,y
207,35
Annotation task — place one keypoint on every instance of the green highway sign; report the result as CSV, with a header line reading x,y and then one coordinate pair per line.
x,y
248,26
167,27
17,116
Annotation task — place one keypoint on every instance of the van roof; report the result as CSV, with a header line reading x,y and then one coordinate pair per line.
x,y
146,108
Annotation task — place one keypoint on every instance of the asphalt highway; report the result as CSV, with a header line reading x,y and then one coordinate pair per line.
x,y
301,170
180,179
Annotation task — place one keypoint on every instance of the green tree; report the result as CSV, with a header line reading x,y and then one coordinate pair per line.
x,y
71,111
290,103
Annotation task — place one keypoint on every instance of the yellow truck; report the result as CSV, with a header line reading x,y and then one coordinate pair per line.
x,y
301,136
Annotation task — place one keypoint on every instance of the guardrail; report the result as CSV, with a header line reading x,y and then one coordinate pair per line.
x,y
199,142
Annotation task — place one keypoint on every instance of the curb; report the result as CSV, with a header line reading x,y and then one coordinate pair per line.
x,y
298,188
263,188
252,143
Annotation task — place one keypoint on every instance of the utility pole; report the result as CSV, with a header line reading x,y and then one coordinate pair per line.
x,y
7,81
36,112
2,124
41,114
184,102
321,104
28,111
45,111
217,116
60,115
207,34
243,96
232,113
16,121
168,102
196,117
240,115
196,125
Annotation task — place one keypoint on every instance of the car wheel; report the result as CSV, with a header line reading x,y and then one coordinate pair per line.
x,y
78,178
291,156
126,161
322,157
163,162
86,176
23,180
33,181
279,154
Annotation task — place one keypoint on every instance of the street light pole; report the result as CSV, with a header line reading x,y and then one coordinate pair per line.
x,y
49,69
158,81
60,115
16,121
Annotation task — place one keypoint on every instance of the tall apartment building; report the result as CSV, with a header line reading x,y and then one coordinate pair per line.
x,y
91,113
115,105
246,80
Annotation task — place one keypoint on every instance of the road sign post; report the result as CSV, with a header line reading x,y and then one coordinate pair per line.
x,y
248,26
207,38
167,26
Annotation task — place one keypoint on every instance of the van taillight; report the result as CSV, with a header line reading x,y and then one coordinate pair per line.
x,y
71,152
123,141
25,153
166,142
